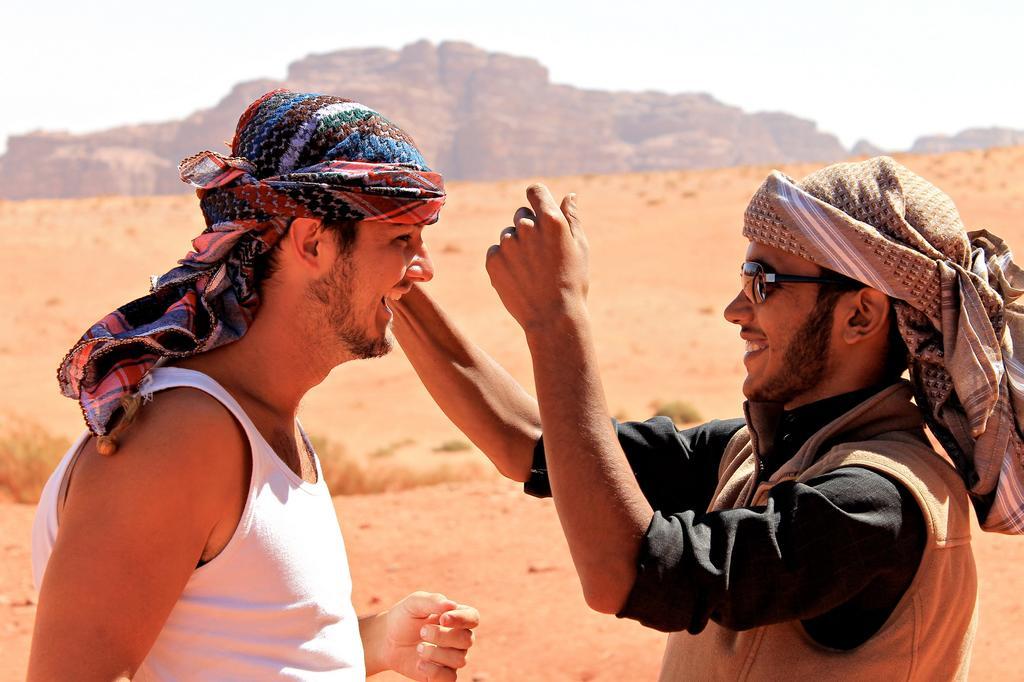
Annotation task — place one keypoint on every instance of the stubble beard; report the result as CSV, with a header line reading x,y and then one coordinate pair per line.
x,y
806,360
334,291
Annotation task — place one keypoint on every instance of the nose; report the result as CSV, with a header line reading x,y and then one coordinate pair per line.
x,y
421,268
740,310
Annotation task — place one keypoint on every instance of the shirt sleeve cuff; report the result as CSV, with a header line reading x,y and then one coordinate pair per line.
x,y
538,484
657,599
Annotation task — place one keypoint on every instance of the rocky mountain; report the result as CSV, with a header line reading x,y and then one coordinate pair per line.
x,y
972,138
476,115
866,148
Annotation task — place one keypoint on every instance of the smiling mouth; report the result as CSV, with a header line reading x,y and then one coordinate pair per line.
x,y
754,347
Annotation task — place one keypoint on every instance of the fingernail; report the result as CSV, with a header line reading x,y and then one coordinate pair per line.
x,y
572,199
424,632
420,648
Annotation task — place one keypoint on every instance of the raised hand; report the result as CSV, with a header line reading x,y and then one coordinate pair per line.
x,y
540,267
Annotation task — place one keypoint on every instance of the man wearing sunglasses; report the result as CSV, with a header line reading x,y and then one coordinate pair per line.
x,y
821,534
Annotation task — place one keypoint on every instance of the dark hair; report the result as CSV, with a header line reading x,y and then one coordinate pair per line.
x,y
896,357
265,265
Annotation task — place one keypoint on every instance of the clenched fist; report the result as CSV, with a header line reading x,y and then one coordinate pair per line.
x,y
424,637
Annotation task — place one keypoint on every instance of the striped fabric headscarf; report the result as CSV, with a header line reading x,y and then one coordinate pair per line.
x,y
293,155
956,297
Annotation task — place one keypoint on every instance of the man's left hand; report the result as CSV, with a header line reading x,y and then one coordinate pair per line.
x,y
428,636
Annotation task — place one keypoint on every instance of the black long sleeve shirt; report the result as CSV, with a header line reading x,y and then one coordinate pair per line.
x,y
836,552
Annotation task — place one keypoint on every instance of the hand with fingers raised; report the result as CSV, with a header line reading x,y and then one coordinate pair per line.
x,y
428,637
539,267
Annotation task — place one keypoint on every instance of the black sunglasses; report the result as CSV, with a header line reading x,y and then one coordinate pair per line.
x,y
755,280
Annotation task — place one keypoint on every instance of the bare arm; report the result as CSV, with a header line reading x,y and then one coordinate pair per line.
x,y
603,511
132,531
476,393
540,273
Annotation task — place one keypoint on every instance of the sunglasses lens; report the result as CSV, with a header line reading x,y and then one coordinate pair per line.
x,y
752,277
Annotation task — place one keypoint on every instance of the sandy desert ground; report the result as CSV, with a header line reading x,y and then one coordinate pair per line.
x,y
664,252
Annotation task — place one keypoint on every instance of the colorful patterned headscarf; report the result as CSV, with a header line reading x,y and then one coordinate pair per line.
x,y
293,155
956,297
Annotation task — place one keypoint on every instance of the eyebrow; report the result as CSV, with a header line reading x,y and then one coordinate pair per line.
x,y
396,228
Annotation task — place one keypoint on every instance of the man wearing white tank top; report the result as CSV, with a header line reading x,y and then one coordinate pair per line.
x,y
189,533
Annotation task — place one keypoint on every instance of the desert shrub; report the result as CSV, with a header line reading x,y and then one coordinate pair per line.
x,y
679,411
454,445
391,448
347,475
28,455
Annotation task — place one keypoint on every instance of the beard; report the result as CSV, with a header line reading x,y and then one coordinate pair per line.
x,y
806,357
335,292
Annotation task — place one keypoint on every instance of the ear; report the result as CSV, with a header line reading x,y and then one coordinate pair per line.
x,y
865,316
306,240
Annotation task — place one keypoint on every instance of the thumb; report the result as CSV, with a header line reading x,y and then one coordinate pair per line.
x,y
423,604
570,212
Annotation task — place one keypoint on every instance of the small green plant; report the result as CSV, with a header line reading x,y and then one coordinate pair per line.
x,y
391,448
454,445
679,411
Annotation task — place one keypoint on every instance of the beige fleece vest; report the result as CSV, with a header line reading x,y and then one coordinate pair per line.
x,y
929,634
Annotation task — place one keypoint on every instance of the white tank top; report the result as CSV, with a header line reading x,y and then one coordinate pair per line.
x,y
276,603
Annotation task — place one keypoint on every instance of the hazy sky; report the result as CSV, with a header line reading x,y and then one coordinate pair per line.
x,y
885,70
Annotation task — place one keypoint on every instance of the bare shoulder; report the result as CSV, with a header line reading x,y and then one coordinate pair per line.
x,y
184,447
184,423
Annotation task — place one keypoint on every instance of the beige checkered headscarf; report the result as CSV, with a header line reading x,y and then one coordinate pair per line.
x,y
956,300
